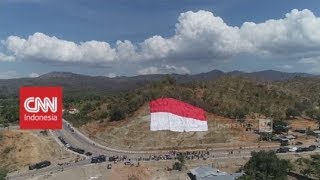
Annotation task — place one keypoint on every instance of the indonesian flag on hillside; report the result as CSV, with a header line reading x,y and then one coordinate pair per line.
x,y
174,115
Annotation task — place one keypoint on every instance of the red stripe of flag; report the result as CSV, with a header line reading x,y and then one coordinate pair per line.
x,y
177,107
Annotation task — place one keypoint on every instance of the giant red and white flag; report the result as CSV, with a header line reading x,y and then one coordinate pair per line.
x,y
174,115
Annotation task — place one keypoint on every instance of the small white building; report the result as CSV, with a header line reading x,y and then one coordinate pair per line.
x,y
209,173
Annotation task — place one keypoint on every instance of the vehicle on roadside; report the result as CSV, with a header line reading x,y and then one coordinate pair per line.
x,y
300,149
283,150
88,154
77,150
62,140
312,147
98,159
298,143
128,163
112,159
284,143
40,165
293,149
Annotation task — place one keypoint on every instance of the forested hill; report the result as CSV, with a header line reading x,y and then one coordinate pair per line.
x,y
229,96
76,84
233,95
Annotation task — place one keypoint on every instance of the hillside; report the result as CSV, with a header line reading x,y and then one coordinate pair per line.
x,y
229,96
20,148
134,133
76,84
235,95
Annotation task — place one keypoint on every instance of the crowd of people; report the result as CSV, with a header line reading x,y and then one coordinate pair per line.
x,y
171,155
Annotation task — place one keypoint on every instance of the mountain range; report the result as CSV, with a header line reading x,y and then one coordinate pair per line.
x,y
76,83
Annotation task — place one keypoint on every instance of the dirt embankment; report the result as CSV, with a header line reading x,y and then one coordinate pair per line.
x,y
134,133
19,148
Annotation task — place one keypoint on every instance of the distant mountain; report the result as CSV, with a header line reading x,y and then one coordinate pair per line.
x,y
272,75
77,83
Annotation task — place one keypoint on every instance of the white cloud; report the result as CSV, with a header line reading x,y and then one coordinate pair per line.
x,y
198,35
44,48
164,69
33,75
286,66
312,62
149,70
9,75
4,57
111,75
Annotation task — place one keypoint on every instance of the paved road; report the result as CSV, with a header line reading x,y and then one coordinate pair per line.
x,y
77,139
55,169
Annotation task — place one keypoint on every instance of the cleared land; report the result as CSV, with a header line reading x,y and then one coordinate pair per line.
x,y
134,133
20,148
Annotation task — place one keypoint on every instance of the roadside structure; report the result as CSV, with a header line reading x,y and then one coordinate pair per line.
x,y
211,173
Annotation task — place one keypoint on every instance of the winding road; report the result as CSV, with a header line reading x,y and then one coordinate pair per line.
x,y
77,139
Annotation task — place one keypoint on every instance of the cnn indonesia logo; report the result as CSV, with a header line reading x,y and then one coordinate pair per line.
x,y
41,107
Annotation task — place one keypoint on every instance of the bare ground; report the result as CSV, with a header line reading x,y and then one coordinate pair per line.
x,y
134,133
19,148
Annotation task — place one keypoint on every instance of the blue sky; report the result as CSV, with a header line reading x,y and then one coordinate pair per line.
x,y
160,38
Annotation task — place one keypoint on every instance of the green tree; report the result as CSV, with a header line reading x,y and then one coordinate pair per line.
x,y
315,114
181,159
280,126
265,165
292,113
4,122
180,164
265,136
3,173
170,80
311,167
117,113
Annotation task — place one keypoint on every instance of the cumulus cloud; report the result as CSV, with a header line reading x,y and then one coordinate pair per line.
x,y
45,48
111,75
198,35
9,75
4,57
286,66
312,62
34,75
149,70
164,69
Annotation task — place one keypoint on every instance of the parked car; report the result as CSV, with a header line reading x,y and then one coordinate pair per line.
x,y
312,147
88,153
300,149
284,144
112,159
98,159
298,143
109,166
127,163
40,165
293,149
283,150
